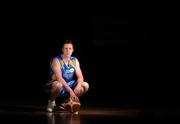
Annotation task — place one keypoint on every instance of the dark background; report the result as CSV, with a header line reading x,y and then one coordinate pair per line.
x,y
125,57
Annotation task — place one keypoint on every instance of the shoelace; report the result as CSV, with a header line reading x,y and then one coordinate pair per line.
x,y
62,106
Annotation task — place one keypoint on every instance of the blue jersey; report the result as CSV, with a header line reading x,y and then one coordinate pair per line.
x,y
68,71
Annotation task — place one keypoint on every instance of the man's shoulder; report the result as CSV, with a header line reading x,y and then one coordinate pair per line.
x,y
57,57
73,58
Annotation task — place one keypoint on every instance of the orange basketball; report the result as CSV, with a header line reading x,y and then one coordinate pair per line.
x,y
72,106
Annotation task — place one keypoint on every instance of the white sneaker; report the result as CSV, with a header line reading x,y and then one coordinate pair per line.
x,y
76,113
50,106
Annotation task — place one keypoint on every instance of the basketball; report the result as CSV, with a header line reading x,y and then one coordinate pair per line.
x,y
72,106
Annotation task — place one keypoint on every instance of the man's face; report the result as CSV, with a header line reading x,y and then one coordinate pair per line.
x,y
67,50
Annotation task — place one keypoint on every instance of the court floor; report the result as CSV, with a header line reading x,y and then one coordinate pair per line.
x,y
27,114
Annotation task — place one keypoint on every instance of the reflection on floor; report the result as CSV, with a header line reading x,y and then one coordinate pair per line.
x,y
36,114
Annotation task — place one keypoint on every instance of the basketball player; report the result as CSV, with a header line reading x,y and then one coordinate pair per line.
x,y
63,69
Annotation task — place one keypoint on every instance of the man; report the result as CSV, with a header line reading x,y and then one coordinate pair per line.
x,y
63,70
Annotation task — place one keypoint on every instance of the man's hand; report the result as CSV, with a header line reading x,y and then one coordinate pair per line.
x,y
73,96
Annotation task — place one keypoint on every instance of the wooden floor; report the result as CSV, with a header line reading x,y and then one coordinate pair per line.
x,y
37,115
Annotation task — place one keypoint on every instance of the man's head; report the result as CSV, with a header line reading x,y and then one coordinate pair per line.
x,y
67,48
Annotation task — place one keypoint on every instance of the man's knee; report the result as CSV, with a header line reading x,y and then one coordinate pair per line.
x,y
57,85
85,86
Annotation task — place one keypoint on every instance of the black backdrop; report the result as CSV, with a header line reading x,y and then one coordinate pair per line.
x,y
119,57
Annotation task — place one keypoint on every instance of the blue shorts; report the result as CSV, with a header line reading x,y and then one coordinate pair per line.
x,y
64,93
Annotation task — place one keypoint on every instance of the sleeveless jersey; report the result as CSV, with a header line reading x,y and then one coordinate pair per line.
x,y
68,71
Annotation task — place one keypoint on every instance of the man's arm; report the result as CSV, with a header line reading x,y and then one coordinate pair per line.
x,y
80,79
79,74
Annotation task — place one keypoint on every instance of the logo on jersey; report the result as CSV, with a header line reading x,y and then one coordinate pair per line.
x,y
70,70
69,73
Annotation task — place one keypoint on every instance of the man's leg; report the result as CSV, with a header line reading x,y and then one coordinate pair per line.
x,y
84,88
55,90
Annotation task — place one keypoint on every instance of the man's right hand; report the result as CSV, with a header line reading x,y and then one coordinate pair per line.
x,y
73,96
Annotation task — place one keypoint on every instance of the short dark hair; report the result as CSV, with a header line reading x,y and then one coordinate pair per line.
x,y
68,41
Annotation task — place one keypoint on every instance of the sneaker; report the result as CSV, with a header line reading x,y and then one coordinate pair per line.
x,y
62,107
50,106
76,113
63,104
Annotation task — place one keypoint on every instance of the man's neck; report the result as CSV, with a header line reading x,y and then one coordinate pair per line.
x,y
65,58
